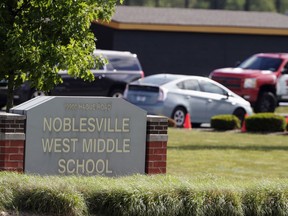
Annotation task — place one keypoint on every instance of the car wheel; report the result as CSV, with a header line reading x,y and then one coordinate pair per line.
x,y
240,114
179,115
266,102
36,93
116,93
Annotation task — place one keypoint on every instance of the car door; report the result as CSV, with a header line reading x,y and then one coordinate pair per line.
x,y
197,103
217,100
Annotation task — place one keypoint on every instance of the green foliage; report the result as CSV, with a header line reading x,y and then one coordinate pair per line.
x,y
265,122
40,37
225,122
141,195
260,5
268,201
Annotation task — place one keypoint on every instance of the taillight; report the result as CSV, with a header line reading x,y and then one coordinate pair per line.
x,y
142,74
162,94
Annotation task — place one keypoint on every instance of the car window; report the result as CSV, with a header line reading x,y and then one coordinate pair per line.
x,y
211,88
156,80
123,63
189,85
181,85
192,85
261,63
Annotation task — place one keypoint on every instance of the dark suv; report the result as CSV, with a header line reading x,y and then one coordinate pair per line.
x,y
111,80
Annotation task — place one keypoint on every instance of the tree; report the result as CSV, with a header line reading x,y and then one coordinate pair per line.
x,y
40,37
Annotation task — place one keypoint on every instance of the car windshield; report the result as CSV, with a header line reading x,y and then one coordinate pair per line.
x,y
123,63
156,80
261,63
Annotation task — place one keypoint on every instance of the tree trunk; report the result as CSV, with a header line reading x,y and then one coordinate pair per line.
x,y
10,91
217,4
247,5
278,5
186,3
213,4
126,2
157,3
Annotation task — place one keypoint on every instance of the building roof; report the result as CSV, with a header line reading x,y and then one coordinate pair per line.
x,y
198,20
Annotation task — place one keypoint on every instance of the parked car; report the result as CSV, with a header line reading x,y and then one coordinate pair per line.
x,y
110,80
3,93
176,95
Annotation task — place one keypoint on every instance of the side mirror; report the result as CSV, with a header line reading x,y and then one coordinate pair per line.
x,y
227,95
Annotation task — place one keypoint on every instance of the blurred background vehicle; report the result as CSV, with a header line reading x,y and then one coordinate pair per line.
x,y
123,67
174,96
262,79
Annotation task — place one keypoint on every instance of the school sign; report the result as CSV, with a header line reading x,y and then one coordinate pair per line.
x,y
83,136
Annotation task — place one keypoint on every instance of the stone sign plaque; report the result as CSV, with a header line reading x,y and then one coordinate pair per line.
x,y
83,136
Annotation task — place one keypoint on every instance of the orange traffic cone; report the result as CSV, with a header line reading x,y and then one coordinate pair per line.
x,y
187,123
243,129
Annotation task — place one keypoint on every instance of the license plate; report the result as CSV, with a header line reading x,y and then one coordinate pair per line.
x,y
141,98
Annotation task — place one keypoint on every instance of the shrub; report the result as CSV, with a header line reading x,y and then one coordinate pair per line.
x,y
265,122
225,122
141,195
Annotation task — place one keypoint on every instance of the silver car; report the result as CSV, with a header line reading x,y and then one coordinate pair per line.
x,y
175,96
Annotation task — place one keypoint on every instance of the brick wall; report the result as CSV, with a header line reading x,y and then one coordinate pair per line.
x,y
12,142
156,145
12,139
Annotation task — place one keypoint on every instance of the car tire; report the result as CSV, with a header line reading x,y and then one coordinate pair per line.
x,y
266,103
116,93
178,116
240,114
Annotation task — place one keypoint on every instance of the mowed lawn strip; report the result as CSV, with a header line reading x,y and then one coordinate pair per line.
x,y
233,155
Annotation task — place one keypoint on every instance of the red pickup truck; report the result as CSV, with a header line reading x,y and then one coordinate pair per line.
x,y
262,79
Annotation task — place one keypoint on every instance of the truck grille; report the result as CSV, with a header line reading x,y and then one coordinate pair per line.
x,y
231,83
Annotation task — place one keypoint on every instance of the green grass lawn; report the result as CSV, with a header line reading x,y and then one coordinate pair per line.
x,y
282,109
233,155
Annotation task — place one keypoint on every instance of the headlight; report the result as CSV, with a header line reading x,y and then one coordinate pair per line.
x,y
250,83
